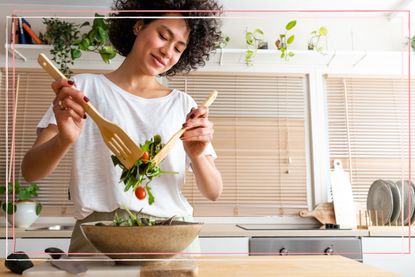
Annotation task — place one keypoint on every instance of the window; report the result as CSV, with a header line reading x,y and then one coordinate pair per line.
x,y
368,129
260,138
33,98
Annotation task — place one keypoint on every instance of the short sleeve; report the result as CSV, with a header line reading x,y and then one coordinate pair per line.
x,y
209,151
47,119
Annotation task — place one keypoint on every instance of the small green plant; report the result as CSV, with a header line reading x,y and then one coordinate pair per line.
x,y
21,194
224,42
255,41
68,43
314,43
413,43
283,42
61,35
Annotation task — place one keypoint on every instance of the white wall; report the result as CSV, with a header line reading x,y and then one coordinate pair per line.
x,y
347,31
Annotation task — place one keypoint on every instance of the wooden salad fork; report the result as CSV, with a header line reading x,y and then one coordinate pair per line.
x,y
117,140
169,145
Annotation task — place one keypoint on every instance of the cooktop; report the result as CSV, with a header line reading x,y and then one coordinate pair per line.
x,y
270,226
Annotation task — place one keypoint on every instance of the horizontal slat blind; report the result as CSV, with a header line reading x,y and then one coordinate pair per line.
x,y
34,98
373,124
260,141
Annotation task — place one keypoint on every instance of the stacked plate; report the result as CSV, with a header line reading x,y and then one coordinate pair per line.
x,y
391,203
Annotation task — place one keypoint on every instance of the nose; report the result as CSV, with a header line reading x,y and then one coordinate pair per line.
x,y
166,51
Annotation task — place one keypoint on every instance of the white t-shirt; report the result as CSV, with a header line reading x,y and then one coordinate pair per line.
x,y
95,181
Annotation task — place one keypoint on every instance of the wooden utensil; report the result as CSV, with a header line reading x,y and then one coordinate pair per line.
x,y
169,145
117,140
323,212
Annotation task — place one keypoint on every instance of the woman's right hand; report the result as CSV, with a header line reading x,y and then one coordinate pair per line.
x,y
68,110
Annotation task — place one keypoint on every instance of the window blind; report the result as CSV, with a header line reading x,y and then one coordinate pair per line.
x,y
260,141
368,123
33,99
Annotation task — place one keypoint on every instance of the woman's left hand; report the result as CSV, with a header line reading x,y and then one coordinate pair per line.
x,y
199,131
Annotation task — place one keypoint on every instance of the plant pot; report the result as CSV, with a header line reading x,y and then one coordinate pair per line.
x,y
24,215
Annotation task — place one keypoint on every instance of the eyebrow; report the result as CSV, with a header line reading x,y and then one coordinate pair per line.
x,y
172,34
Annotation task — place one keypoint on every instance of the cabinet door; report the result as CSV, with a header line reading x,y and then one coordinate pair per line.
x,y
390,254
221,246
5,251
35,247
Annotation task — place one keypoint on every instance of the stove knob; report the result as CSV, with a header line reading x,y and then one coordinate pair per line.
x,y
328,251
283,252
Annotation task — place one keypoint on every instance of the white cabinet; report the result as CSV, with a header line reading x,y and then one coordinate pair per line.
x,y
390,254
221,246
35,247
5,251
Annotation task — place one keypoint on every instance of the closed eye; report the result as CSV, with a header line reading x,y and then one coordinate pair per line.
x,y
162,37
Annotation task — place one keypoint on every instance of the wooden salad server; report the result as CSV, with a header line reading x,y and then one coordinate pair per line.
x,y
169,145
117,140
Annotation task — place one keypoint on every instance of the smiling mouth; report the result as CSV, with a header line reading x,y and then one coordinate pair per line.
x,y
158,61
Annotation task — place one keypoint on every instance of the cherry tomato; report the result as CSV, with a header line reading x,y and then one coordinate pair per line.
x,y
145,157
140,193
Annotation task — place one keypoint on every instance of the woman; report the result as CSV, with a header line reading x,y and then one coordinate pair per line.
x,y
132,97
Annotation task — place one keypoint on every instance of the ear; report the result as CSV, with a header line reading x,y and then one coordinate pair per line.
x,y
138,26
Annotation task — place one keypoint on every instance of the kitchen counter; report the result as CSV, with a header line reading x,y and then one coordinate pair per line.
x,y
208,230
231,230
301,266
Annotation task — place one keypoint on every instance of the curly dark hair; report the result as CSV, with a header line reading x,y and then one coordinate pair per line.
x,y
204,33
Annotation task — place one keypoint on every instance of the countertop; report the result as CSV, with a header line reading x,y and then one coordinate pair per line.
x,y
301,266
231,230
208,230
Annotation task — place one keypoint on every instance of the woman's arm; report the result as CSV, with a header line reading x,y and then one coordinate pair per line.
x,y
45,155
208,178
54,141
199,133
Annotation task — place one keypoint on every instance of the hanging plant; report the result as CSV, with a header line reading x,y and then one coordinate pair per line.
x,y
68,44
314,43
283,42
255,41
61,35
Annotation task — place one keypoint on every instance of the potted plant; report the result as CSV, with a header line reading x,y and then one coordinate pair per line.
x,y
25,210
284,41
314,43
68,43
255,41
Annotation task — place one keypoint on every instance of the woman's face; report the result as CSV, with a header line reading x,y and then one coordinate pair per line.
x,y
159,45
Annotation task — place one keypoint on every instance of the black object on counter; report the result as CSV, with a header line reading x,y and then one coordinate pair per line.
x,y
54,252
331,226
18,262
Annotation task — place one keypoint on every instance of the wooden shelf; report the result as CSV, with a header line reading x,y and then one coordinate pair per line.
x,y
234,60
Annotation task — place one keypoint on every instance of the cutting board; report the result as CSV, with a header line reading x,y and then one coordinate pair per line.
x,y
109,269
341,189
323,212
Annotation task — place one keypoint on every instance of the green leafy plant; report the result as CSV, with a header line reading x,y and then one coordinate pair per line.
x,y
68,43
314,43
224,42
96,40
22,194
285,40
413,43
254,41
61,35
140,175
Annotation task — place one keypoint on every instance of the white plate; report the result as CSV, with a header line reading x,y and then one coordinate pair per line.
x,y
407,191
380,202
396,200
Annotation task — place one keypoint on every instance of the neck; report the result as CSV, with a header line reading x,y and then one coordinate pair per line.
x,y
129,79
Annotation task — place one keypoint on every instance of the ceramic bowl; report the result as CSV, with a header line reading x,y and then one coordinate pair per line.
x,y
141,242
